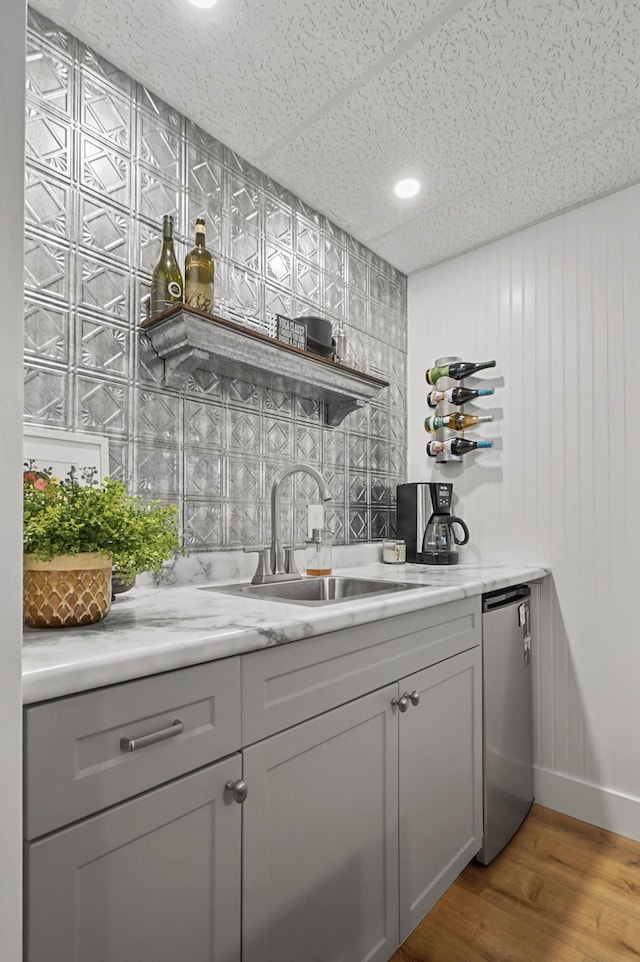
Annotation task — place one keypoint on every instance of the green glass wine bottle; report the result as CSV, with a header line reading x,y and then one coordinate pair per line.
x,y
199,272
455,446
457,370
166,280
458,395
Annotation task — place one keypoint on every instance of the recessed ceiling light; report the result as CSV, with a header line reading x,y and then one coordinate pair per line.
x,y
204,4
408,187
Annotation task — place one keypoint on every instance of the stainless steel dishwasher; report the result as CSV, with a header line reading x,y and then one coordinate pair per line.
x,y
507,716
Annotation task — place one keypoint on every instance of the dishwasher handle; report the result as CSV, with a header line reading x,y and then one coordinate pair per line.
x,y
504,596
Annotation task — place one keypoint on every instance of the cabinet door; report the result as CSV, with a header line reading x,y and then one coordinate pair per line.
x,y
156,878
440,782
320,838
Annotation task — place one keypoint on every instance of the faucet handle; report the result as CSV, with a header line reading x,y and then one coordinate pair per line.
x,y
263,571
290,561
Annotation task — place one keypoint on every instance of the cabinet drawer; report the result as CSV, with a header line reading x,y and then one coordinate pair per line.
x,y
286,685
76,757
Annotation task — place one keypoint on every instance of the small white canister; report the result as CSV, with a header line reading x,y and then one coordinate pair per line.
x,y
394,552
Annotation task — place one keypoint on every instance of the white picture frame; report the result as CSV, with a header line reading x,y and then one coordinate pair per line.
x,y
59,450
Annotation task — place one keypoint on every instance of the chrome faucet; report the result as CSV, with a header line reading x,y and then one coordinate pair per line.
x,y
274,563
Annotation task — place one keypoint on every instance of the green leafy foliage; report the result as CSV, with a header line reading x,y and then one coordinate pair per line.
x,y
68,517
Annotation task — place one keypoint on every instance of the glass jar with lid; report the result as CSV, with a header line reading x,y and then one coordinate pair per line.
x,y
394,552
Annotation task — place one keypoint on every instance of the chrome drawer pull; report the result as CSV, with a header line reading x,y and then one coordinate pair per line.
x,y
133,744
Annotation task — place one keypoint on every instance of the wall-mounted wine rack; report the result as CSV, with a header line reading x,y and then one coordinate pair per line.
x,y
444,408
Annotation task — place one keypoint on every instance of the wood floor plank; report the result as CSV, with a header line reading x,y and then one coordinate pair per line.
x,y
551,902
562,891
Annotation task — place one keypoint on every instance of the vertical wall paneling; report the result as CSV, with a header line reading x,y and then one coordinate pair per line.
x,y
628,407
557,306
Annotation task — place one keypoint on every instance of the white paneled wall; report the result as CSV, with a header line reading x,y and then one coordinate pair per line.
x,y
558,307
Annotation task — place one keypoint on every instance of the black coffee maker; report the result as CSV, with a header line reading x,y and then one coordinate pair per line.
x,y
433,541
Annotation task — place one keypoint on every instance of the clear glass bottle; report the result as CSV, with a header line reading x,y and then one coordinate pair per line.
x,y
455,422
318,553
340,338
199,272
166,281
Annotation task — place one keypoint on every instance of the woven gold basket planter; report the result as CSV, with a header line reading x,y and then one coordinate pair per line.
x,y
68,590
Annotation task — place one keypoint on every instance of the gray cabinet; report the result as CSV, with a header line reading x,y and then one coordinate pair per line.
x,y
320,838
155,878
358,815
132,853
440,782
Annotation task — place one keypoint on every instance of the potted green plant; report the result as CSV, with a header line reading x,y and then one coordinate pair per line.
x,y
75,532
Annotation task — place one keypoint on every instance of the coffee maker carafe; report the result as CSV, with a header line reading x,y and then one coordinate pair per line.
x,y
440,538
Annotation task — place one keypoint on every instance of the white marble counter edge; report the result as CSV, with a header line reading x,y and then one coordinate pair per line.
x,y
151,630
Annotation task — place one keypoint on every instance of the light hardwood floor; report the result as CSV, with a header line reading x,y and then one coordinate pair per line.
x,y
562,891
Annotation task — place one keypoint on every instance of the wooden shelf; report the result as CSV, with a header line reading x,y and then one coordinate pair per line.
x,y
188,339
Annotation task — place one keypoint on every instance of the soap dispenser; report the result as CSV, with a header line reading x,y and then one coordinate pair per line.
x,y
318,551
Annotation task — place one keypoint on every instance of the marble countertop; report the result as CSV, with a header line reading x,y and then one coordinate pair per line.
x,y
156,629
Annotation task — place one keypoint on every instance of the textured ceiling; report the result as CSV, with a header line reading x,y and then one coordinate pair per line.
x,y
507,110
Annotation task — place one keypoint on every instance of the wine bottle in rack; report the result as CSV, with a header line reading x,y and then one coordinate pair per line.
x,y
455,422
455,446
457,370
458,395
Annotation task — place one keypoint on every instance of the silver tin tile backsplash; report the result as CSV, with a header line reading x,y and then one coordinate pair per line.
x,y
105,159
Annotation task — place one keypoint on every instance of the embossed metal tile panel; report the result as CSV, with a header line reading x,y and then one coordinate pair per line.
x,y
106,158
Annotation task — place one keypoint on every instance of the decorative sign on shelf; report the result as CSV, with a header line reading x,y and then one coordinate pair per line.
x,y
291,332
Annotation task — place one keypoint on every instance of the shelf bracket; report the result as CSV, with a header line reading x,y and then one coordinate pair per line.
x,y
181,363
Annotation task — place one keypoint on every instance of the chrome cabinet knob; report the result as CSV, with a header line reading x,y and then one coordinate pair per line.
x,y
413,696
401,703
239,790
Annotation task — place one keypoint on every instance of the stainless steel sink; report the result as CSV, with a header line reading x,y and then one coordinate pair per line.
x,y
316,591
